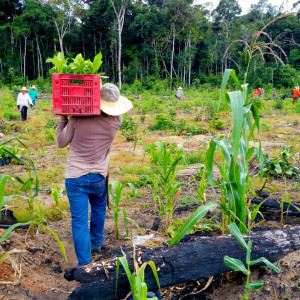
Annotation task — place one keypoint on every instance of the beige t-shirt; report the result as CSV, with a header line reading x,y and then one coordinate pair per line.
x,y
90,139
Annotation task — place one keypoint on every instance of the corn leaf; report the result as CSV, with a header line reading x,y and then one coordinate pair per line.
x,y
237,234
227,74
266,262
199,213
10,229
60,244
235,264
236,102
255,285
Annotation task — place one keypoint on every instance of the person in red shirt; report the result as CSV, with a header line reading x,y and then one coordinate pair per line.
x,y
295,94
259,92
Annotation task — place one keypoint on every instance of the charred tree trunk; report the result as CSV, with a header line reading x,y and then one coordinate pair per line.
x,y
195,258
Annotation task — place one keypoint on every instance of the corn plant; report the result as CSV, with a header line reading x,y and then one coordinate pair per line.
x,y
166,161
136,279
238,265
187,227
116,198
200,187
27,187
236,153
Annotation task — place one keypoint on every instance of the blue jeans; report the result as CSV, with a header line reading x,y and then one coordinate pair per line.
x,y
87,188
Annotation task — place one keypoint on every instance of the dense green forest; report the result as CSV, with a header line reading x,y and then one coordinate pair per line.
x,y
143,41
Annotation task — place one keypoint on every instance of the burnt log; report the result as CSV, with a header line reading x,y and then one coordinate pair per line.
x,y
195,258
289,210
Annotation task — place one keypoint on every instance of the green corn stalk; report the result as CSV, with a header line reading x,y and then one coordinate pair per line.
x,y
27,185
199,187
236,153
166,160
116,198
165,186
136,279
238,265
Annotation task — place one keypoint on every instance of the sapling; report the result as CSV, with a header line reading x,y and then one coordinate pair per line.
x,y
25,186
116,198
136,279
166,162
238,265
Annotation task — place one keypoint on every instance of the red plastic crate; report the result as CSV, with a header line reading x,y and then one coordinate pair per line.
x,y
76,94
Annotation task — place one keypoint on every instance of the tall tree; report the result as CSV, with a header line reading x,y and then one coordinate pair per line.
x,y
119,7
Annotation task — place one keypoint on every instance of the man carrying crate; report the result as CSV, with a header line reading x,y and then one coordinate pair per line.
x,y
90,139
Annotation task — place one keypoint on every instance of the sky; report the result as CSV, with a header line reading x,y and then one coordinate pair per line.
x,y
245,4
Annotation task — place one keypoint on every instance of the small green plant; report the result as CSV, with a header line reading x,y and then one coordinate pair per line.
x,y
187,227
258,101
30,190
49,134
165,186
78,66
238,265
180,127
11,115
281,166
218,124
163,122
278,103
136,279
52,123
129,128
172,113
116,198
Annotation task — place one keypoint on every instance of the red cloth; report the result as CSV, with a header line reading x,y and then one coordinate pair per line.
x,y
295,93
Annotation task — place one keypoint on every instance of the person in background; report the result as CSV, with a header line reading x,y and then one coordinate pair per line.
x,y
295,94
90,139
179,93
262,93
274,94
259,92
23,101
33,94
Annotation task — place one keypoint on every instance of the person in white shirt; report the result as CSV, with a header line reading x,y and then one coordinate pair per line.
x,y
23,102
179,93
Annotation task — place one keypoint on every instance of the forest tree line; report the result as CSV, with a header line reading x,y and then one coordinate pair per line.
x,y
173,40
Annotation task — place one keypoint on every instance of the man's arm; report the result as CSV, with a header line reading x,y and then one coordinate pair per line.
x,y
64,132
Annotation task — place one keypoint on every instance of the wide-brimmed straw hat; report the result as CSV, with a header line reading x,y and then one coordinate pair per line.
x,y
24,89
112,103
180,88
33,87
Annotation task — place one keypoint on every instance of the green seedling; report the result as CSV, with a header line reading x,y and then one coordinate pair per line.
x,y
187,227
165,185
116,198
238,265
29,189
136,279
